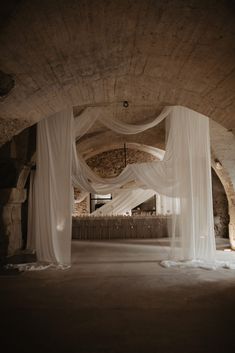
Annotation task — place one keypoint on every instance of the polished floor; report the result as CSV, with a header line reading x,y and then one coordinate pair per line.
x,y
117,298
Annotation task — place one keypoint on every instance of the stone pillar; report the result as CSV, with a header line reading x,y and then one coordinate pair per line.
x,y
230,193
10,202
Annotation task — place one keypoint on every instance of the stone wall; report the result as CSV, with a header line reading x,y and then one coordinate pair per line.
x,y
15,166
111,163
81,208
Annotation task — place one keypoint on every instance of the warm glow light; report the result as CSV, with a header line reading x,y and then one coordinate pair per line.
x,y
218,165
60,226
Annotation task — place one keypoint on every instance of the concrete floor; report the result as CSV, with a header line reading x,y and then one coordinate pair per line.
x,y
117,298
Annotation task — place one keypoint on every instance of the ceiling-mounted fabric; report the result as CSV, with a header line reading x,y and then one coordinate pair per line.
x,y
90,115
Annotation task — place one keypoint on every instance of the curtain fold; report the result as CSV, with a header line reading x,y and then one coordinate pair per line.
x,y
125,201
190,169
52,189
90,115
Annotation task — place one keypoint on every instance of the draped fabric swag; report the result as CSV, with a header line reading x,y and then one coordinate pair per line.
x,y
124,201
184,175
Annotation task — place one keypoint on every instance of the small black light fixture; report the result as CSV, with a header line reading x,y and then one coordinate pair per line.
x,y
125,104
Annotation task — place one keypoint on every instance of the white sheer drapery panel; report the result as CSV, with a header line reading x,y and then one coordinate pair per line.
x,y
80,178
85,179
88,117
188,150
31,214
153,175
148,175
164,205
85,120
130,129
124,202
53,198
82,175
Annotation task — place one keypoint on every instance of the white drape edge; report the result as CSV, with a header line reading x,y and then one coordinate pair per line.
x,y
191,172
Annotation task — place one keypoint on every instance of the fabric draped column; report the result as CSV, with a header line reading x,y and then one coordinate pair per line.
x,y
190,171
52,189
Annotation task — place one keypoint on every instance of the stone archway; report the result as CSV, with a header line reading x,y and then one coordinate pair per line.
x,y
230,193
11,211
15,164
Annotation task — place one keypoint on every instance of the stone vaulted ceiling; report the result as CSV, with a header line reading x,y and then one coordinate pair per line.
x,y
96,52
